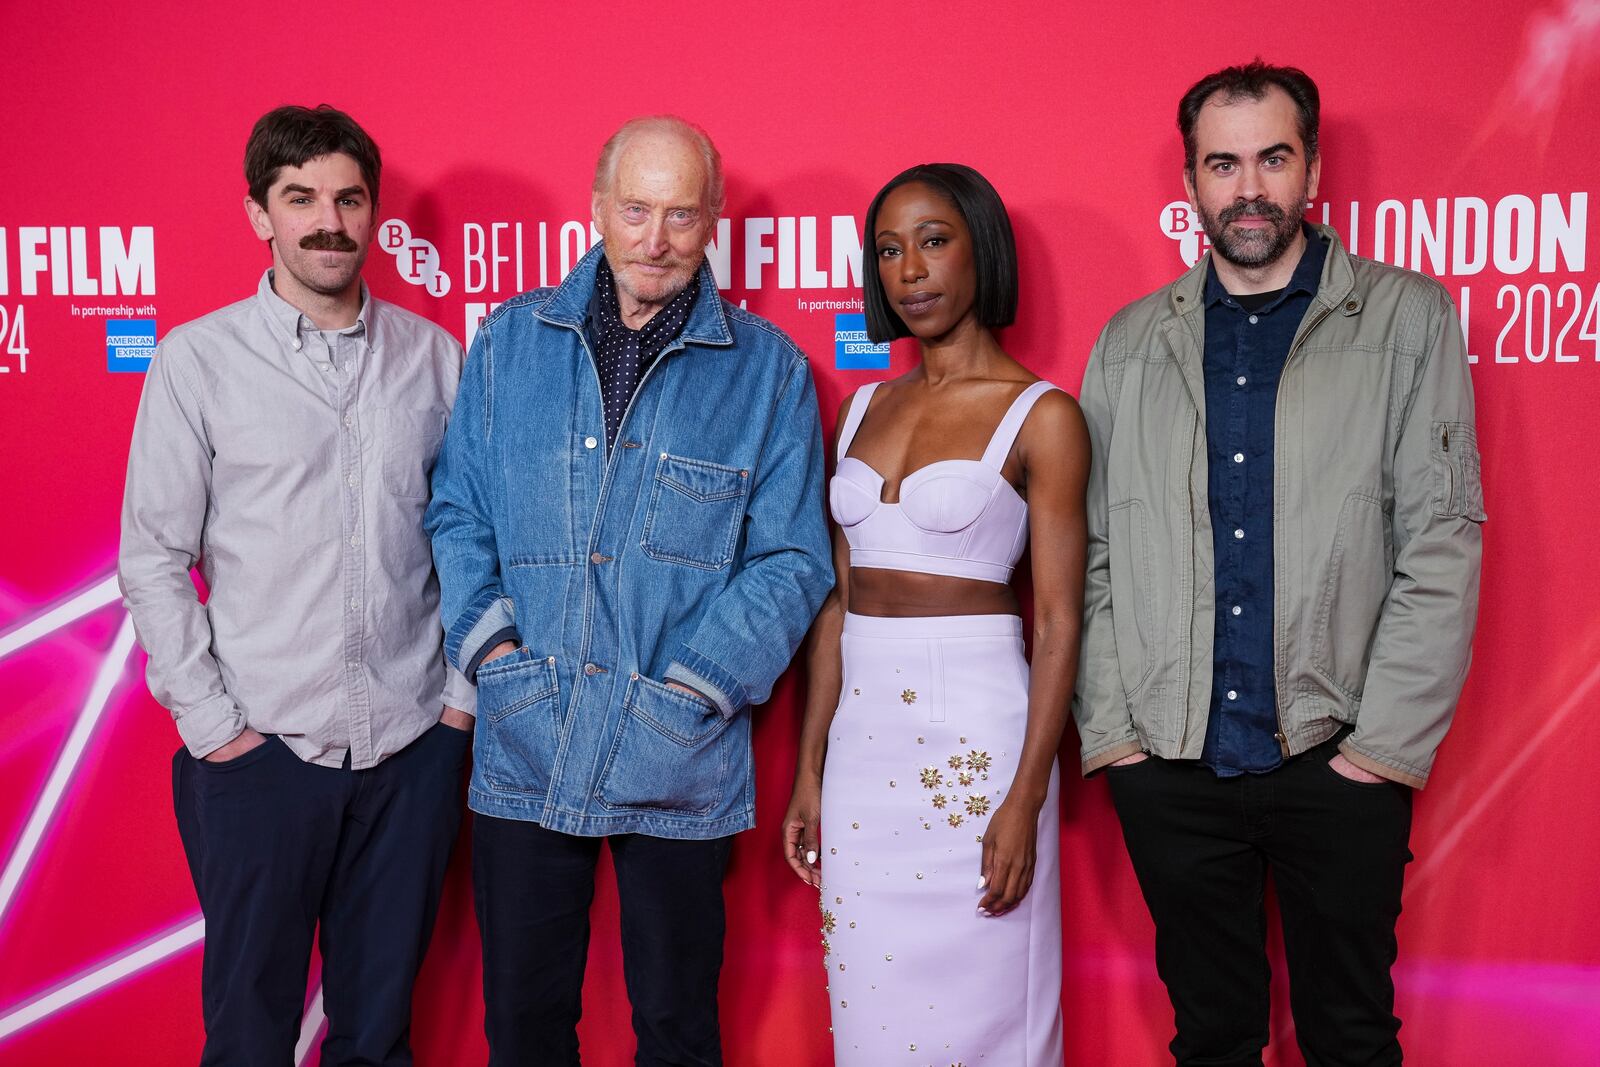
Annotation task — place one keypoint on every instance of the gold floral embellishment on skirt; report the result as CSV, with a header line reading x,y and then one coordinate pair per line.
x,y
829,921
932,778
955,818
940,800
977,805
908,695
978,761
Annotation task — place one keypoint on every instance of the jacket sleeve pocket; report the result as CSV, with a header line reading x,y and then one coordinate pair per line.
x,y
1457,472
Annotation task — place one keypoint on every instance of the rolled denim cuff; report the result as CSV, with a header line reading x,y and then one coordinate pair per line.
x,y
708,678
491,619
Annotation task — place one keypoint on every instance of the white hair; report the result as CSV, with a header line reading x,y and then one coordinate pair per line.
x,y
605,169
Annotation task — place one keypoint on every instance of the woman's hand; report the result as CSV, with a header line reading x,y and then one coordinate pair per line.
x,y
802,842
1008,857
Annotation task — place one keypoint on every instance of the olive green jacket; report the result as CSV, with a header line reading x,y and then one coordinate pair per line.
x,y
1377,506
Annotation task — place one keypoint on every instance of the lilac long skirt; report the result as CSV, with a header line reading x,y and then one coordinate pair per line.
x,y
920,754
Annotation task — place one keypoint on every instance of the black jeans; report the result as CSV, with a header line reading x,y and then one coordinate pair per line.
x,y
277,846
533,888
1337,849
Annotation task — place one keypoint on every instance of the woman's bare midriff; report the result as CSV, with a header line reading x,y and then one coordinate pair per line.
x,y
909,594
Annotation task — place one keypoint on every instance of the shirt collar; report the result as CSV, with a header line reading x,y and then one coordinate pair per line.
x,y
291,322
605,313
1305,279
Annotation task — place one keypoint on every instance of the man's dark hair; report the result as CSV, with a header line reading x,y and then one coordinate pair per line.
x,y
994,249
288,136
1252,81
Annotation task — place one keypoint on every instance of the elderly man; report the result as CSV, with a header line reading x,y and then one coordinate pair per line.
x,y
627,521
1284,511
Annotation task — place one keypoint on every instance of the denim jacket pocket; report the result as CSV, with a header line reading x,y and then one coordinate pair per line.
x,y
519,722
410,441
671,753
694,513
1457,472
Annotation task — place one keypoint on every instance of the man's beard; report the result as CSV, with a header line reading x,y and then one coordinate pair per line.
x,y
1253,248
659,289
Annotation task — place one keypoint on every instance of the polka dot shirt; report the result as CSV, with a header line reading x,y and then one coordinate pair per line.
x,y
622,355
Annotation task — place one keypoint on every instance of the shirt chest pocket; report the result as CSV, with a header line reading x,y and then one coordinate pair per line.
x,y
410,443
695,511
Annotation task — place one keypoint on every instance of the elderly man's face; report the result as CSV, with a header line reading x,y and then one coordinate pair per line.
x,y
654,218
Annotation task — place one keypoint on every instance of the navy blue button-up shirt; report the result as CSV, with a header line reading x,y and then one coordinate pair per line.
x,y
1247,342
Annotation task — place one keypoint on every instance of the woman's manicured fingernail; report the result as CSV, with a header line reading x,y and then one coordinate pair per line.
x,y
811,856
983,880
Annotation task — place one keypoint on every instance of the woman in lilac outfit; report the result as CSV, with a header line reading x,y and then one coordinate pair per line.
x,y
925,798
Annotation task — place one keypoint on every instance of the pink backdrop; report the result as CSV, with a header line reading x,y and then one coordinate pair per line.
x,y
1459,143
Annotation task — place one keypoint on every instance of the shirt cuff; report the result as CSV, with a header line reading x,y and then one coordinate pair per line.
x,y
209,725
458,692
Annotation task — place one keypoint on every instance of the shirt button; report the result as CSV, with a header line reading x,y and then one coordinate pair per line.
x,y
1237,610
1253,320
354,603
349,419
1238,457
1240,379
596,557
350,480
593,668
1238,535
1233,694
355,540
589,442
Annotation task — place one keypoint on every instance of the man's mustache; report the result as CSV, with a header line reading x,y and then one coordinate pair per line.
x,y
1245,209
328,241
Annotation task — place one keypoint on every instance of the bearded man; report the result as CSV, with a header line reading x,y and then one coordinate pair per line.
x,y
1284,509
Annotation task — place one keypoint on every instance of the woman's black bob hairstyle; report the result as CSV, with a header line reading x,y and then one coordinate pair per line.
x,y
994,249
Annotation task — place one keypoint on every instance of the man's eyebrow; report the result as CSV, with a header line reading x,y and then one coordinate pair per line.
x,y
350,190
293,188
1221,157
1282,148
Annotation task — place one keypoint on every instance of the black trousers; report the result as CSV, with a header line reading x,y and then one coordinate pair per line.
x,y
278,846
1337,850
533,888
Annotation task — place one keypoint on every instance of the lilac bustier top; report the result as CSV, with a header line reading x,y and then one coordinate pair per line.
x,y
956,517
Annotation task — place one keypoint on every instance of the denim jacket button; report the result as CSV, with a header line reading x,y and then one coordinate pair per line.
x,y
590,442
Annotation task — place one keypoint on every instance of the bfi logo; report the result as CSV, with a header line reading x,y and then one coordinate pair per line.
x,y
1179,222
415,260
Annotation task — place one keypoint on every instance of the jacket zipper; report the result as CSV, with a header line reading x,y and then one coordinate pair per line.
x,y
1277,704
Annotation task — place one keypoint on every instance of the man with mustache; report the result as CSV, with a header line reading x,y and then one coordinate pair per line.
x,y
283,444
627,519
1284,511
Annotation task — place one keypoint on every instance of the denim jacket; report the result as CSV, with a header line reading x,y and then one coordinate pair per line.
x,y
695,551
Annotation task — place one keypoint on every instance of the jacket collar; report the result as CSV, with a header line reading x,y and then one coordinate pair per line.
x,y
569,305
1336,289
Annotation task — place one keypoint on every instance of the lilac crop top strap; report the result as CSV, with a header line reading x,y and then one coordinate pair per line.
x,y
1005,435
955,517
853,417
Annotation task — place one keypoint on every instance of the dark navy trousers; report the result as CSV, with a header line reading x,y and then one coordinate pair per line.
x,y
280,850
533,889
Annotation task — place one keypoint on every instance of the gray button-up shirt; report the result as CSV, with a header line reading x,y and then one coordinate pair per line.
x,y
293,465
